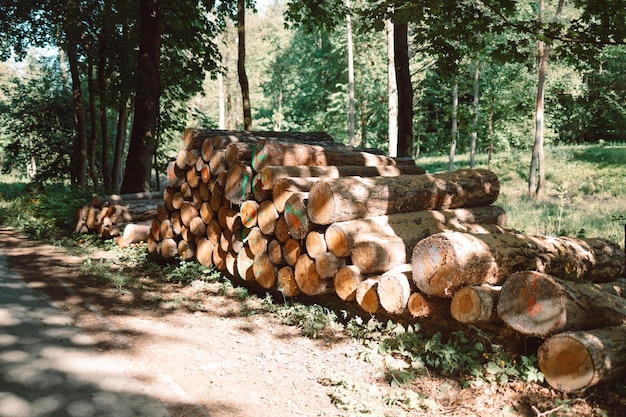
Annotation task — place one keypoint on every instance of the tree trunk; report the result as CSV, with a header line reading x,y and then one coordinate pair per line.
x,y
405,89
92,143
537,304
455,129
79,115
392,92
474,135
104,126
412,227
351,197
271,175
120,141
241,64
350,50
143,138
446,262
573,361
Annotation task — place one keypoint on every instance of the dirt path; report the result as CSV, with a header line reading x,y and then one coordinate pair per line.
x,y
168,350
208,362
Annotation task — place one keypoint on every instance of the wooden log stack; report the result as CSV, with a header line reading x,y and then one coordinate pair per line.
x,y
301,214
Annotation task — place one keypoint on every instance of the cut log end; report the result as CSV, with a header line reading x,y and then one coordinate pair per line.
x,y
322,211
566,363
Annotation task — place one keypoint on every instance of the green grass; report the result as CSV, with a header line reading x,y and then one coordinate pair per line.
x,y
585,191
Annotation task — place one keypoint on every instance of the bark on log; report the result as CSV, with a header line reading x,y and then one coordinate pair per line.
x,y
378,255
394,289
287,282
307,278
537,304
573,361
475,304
346,281
350,198
445,262
270,175
286,187
264,270
269,153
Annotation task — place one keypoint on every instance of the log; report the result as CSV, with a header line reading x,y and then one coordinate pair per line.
x,y
217,162
287,282
572,361
258,192
267,216
394,289
353,197
239,152
264,270
412,227
168,248
175,176
315,244
346,281
366,295
445,262
257,241
206,212
134,233
238,186
245,260
421,306
270,175
281,230
204,251
537,304
103,200
475,304
186,250
286,187
181,159
219,258
188,212
275,252
327,265
268,152
292,249
296,216
206,148
213,231
248,210
197,226
378,255
307,278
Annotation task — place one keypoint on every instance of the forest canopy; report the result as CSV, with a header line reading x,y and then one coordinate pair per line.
x,y
73,110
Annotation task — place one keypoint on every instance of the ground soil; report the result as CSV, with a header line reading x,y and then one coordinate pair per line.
x,y
207,354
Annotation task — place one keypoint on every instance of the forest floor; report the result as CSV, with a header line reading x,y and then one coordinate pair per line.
x,y
201,352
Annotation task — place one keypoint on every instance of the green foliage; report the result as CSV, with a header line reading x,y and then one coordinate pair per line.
x,y
186,272
314,321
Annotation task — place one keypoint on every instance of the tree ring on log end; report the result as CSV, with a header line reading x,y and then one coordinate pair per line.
x,y
565,363
464,305
322,194
432,264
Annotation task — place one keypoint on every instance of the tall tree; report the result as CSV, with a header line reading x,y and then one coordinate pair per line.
x,y
143,139
241,64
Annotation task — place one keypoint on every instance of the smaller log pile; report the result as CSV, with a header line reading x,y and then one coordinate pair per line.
x,y
298,213
126,217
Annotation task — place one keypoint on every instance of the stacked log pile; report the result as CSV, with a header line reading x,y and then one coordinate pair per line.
x,y
301,214
126,217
